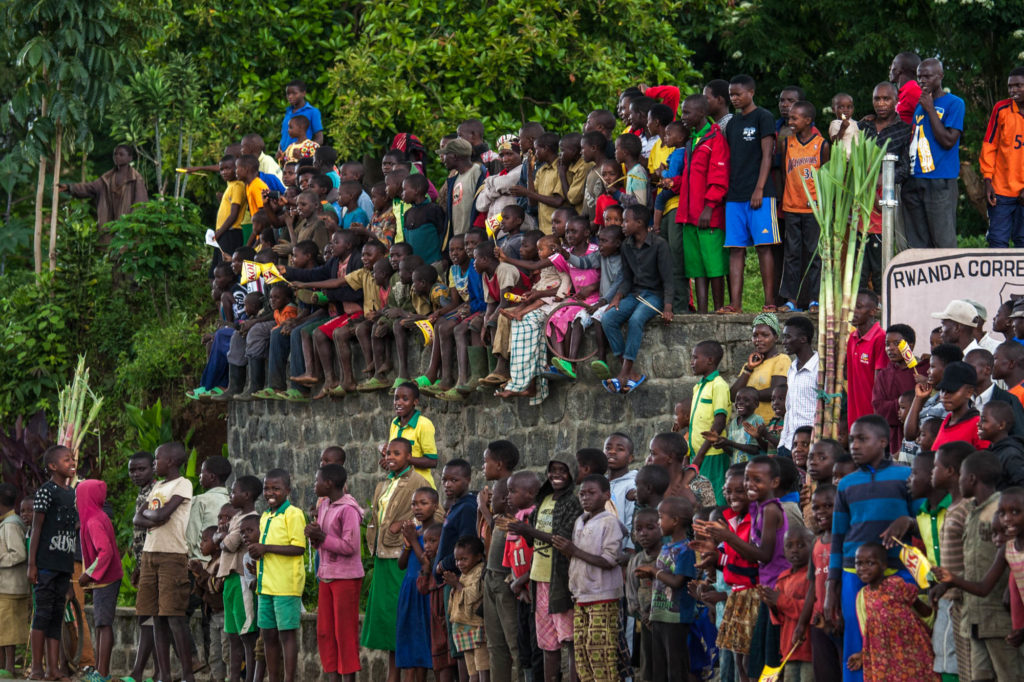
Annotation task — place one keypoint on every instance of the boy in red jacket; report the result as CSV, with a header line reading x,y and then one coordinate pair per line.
x,y
701,188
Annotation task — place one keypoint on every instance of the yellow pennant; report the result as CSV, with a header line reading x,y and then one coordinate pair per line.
x,y
916,562
774,673
426,329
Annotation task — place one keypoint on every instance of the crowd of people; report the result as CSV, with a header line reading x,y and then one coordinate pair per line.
x,y
742,543
533,242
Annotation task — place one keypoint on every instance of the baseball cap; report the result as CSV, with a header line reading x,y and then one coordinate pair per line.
x,y
960,312
458,147
957,374
982,310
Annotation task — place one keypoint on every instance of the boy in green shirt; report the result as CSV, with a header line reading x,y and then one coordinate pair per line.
x,y
709,413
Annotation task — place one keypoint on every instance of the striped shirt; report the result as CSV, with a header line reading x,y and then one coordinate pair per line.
x,y
867,501
951,539
801,398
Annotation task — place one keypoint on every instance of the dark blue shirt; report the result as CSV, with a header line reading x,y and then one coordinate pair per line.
x,y
461,521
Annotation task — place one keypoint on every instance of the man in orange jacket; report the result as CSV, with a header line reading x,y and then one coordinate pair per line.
x,y
1002,166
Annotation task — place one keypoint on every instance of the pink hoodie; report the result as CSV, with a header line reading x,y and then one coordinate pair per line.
x,y
339,554
99,546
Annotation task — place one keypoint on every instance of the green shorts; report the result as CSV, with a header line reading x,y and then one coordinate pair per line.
x,y
704,253
276,612
239,607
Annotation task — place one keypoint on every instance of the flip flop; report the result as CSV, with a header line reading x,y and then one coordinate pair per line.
x,y
294,395
452,395
633,385
196,393
812,307
769,308
211,394
600,369
553,373
265,394
372,384
727,310
324,392
612,385
788,308
493,379
565,367
337,392
423,382
305,380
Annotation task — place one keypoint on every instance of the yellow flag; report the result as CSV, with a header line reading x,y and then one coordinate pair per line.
x,y
770,674
917,564
251,271
273,275
426,329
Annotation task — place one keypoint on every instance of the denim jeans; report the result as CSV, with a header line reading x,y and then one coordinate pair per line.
x,y
216,372
1005,223
287,347
635,315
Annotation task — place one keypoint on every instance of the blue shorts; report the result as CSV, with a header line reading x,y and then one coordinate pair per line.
x,y
746,227
277,612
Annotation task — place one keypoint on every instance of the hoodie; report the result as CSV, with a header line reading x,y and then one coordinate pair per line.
x,y
567,509
99,545
1010,452
340,551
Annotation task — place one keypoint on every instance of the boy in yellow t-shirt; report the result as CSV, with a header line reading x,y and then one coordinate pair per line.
x,y
709,413
228,230
280,575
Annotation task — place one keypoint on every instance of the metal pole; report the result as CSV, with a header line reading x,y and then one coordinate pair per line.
x,y
888,203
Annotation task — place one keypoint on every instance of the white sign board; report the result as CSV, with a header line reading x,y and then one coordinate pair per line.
x,y
919,282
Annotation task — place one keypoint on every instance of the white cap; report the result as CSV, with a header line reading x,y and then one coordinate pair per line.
x,y
960,312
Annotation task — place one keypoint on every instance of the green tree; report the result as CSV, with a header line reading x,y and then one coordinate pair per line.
x,y
68,58
424,66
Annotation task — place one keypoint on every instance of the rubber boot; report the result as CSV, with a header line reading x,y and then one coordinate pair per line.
x,y
257,379
236,382
478,368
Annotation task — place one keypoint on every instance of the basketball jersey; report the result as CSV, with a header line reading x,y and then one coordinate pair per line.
x,y
800,159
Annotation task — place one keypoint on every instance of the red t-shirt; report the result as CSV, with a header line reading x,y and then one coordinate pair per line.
x,y
820,555
518,554
966,430
864,356
906,101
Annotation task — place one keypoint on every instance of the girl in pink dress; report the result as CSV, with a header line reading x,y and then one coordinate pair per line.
x,y
564,329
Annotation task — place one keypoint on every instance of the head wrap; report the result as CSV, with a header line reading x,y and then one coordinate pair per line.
x,y
411,145
770,320
509,142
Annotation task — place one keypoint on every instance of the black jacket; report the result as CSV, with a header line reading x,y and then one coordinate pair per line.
x,y
329,270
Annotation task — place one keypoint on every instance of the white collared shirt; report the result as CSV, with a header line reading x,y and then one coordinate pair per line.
x,y
801,398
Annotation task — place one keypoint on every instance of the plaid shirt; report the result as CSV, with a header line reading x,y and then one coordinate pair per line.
x,y
898,134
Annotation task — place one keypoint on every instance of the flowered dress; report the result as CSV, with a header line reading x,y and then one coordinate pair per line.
x,y
897,647
581,278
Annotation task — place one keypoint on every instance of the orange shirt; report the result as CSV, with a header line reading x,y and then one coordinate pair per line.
x,y
290,311
254,194
801,157
1018,391
1002,150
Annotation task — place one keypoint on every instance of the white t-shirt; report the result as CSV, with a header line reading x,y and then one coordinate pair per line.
x,y
170,537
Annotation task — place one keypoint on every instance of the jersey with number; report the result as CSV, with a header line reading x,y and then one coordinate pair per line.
x,y
801,158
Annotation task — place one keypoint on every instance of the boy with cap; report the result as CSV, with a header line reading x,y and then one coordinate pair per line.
x,y
955,391
464,180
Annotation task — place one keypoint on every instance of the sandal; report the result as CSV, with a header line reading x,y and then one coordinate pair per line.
x,y
337,392
812,307
452,395
324,392
305,380
493,379
787,308
612,385
600,369
196,393
423,382
633,385
294,395
565,367
727,310
372,384
769,308
265,394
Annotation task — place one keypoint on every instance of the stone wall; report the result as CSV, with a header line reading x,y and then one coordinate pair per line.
x,y
375,663
267,434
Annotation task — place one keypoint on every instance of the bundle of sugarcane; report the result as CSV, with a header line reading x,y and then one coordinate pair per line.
x,y
73,419
845,196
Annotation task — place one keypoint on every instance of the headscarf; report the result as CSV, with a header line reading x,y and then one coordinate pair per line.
x,y
769,320
509,142
411,145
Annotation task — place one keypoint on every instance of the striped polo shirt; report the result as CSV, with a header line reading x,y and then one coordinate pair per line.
x,y
867,501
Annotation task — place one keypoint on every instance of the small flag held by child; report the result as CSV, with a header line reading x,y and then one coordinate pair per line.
x,y
426,329
773,673
916,562
252,271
